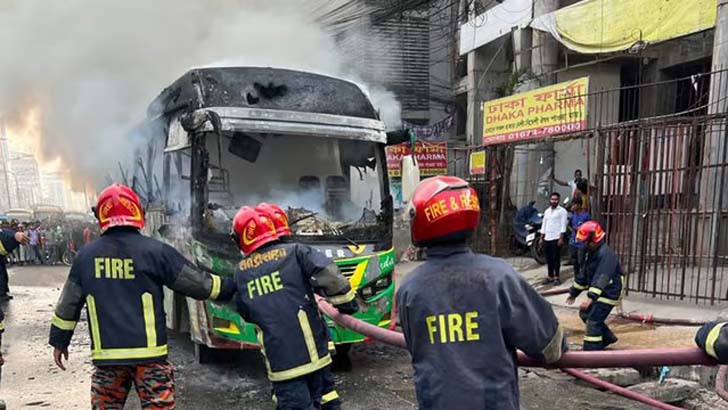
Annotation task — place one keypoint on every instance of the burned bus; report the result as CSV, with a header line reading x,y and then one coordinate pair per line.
x,y
221,138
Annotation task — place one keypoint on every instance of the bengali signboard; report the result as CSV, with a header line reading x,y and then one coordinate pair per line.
x,y
556,109
431,157
477,163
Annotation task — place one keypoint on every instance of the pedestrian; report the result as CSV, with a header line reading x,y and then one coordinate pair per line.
x,y
330,399
35,244
603,279
579,215
9,241
553,236
119,278
277,281
463,314
24,248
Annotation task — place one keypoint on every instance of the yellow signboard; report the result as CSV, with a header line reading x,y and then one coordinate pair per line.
x,y
556,109
477,163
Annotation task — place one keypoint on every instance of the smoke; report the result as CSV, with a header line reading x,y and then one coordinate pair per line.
x,y
90,68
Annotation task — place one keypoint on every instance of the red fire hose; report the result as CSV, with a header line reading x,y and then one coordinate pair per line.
x,y
569,360
720,383
638,317
619,390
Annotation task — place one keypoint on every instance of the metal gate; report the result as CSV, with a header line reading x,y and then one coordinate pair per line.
x,y
662,201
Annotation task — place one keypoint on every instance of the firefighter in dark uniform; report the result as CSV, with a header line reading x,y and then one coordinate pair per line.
x,y
603,279
712,337
119,277
465,314
276,283
9,241
330,399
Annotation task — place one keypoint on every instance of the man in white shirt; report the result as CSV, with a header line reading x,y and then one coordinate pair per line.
x,y
553,233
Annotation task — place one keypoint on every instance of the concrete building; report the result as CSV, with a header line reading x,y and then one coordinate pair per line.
x,y
6,187
53,189
25,173
408,52
505,54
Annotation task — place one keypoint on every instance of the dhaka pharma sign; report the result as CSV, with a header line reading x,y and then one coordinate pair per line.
x,y
546,111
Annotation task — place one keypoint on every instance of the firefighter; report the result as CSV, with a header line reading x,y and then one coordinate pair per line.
x,y
119,277
9,241
712,337
602,277
330,397
465,314
276,282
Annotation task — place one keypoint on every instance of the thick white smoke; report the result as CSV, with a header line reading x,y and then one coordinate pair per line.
x,y
90,67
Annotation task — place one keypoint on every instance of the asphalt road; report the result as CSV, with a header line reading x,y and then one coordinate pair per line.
x,y
381,377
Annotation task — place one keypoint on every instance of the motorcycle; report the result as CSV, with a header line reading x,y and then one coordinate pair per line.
x,y
526,227
69,254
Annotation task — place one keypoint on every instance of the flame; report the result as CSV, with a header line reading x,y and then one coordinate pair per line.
x,y
24,134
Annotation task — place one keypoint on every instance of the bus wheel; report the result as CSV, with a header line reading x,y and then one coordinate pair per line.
x,y
342,361
203,354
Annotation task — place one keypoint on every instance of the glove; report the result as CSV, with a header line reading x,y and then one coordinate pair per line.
x,y
348,308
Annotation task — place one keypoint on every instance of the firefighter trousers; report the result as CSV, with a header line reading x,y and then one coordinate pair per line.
x,y
153,382
598,335
314,391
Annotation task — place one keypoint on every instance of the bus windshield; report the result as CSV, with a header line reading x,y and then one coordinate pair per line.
x,y
330,188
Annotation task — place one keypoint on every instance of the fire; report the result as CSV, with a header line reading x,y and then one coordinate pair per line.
x,y
24,133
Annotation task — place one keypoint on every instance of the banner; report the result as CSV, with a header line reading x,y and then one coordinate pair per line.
x,y
556,109
432,132
477,163
606,26
431,157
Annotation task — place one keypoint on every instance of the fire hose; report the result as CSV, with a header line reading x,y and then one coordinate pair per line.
x,y
607,358
568,361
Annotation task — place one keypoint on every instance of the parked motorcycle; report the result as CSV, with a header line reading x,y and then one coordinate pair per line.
x,y
526,227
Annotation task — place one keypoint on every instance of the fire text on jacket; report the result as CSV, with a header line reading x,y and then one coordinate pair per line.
x,y
265,284
114,268
453,327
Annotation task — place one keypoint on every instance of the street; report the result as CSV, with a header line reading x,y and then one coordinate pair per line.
x,y
381,377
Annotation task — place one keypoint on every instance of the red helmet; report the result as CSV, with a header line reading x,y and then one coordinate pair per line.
x,y
252,229
278,215
590,231
443,209
118,205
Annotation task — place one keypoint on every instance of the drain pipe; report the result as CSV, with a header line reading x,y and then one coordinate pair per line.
x,y
608,358
619,390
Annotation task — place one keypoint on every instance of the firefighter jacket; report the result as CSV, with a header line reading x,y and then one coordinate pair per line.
x,y
276,286
119,278
602,277
463,316
712,337
8,244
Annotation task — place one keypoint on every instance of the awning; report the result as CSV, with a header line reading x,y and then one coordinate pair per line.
x,y
604,26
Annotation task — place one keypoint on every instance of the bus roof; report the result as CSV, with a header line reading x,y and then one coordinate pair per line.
x,y
263,88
